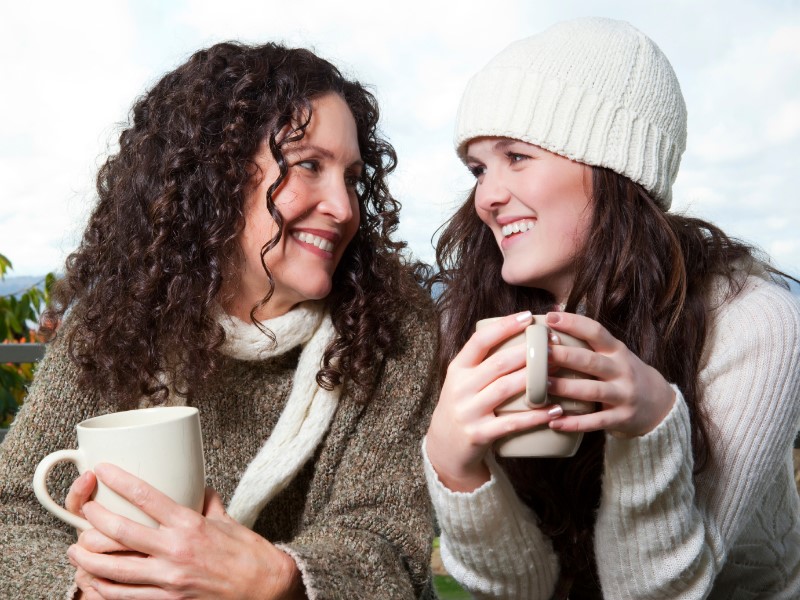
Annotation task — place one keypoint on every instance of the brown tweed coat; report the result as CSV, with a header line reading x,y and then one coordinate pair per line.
x,y
357,516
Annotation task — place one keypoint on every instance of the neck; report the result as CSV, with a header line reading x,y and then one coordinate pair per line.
x,y
241,309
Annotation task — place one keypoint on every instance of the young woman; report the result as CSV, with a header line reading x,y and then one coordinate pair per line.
x,y
239,260
683,485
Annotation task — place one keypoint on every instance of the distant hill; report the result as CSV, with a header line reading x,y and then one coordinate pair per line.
x,y
13,285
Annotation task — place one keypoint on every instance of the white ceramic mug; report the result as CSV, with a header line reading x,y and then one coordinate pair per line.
x,y
162,446
539,441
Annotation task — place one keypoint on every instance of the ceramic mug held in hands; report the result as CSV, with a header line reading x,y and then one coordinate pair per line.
x,y
539,441
162,446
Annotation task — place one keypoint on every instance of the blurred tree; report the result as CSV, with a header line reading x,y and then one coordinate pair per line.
x,y
19,313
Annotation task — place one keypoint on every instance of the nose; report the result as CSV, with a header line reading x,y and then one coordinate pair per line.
x,y
338,201
491,191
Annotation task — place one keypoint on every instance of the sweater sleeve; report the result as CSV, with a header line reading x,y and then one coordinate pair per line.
x,y
33,544
490,541
373,538
662,533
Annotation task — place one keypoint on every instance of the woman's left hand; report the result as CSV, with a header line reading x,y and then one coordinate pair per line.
x,y
634,396
190,555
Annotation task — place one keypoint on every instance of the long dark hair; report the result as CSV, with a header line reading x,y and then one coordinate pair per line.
x,y
146,281
645,275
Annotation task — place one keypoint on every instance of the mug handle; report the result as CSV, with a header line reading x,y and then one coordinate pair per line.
x,y
536,339
40,485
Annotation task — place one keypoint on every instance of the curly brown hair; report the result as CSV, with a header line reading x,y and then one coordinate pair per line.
x,y
645,275
145,281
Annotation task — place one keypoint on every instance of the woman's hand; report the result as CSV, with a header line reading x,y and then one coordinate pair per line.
x,y
635,397
190,555
80,492
464,426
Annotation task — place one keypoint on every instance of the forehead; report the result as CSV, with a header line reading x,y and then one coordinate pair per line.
x,y
492,144
333,126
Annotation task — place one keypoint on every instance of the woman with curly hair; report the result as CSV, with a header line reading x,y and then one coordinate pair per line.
x,y
239,260
683,485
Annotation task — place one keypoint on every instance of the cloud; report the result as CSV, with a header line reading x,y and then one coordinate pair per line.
x,y
69,81
784,125
744,137
70,72
749,99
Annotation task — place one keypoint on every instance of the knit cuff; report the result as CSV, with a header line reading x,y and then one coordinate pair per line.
x,y
658,457
491,542
305,571
483,500
72,592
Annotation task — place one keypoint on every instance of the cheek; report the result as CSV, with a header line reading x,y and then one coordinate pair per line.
x,y
483,215
581,231
255,236
355,222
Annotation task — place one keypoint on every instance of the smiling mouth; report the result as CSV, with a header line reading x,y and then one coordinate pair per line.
x,y
314,240
517,227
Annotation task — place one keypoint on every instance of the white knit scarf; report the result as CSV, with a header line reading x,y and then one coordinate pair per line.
x,y
308,411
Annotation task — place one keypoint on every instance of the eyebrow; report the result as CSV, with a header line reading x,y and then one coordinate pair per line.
x,y
499,146
504,143
324,152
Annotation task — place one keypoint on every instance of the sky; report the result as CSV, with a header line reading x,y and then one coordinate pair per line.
x,y
70,71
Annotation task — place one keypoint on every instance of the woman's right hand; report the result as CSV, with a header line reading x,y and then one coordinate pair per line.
x,y
80,493
464,426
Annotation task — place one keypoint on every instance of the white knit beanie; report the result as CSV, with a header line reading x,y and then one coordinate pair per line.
x,y
595,90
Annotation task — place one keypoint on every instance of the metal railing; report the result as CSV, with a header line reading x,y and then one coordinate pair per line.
x,y
19,353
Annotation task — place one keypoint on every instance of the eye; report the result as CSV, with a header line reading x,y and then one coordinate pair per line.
x,y
309,165
515,157
477,170
353,176
351,180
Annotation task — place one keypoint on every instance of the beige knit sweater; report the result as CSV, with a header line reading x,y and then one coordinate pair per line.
x,y
356,518
733,532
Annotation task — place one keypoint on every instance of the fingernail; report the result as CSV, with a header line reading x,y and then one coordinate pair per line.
x,y
524,316
553,318
556,411
554,339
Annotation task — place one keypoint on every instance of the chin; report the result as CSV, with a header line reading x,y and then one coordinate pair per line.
x,y
318,292
514,277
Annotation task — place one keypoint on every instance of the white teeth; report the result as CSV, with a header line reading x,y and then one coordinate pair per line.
x,y
517,227
314,240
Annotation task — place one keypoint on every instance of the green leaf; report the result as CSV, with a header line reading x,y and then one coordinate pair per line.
x,y
49,280
8,405
35,298
5,265
23,313
13,324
